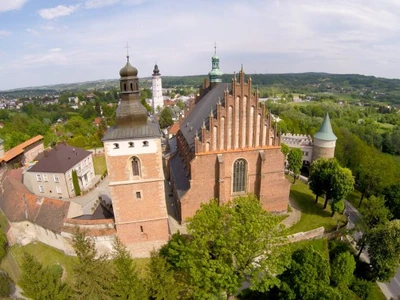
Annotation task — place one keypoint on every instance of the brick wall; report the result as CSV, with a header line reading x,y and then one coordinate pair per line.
x,y
264,177
139,201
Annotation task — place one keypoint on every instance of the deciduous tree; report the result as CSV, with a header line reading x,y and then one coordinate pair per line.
x,y
229,244
161,282
342,268
295,162
285,150
342,183
384,250
165,118
307,274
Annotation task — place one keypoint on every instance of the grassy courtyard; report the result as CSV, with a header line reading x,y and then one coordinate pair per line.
x,y
312,214
99,162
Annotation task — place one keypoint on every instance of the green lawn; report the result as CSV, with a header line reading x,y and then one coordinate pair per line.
x,y
321,245
312,214
48,256
3,222
43,253
99,162
354,198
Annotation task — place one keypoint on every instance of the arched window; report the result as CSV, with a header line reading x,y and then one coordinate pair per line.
x,y
131,86
135,166
239,175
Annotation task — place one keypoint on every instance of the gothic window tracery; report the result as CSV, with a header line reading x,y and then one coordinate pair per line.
x,y
135,166
239,175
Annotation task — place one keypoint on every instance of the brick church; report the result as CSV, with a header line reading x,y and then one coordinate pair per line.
x,y
226,146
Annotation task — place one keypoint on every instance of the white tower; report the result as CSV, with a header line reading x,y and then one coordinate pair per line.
x,y
158,100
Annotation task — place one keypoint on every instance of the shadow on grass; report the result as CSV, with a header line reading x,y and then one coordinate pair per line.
x,y
307,205
312,214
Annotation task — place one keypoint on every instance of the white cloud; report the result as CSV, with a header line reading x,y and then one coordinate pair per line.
x,y
58,11
50,58
99,3
4,33
7,5
55,50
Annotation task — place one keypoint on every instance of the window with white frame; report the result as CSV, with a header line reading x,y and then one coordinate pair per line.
x,y
58,189
38,177
55,178
45,177
41,188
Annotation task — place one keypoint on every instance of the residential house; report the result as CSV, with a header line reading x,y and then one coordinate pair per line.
x,y
52,175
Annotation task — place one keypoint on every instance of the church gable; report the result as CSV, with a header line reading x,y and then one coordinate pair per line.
x,y
236,121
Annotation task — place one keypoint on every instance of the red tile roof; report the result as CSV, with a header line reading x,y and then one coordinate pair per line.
x,y
169,102
19,204
17,150
97,121
174,128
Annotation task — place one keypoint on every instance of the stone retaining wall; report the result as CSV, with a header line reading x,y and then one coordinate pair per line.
x,y
308,235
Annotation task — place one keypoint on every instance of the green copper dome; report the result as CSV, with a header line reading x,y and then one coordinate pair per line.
x,y
325,133
215,73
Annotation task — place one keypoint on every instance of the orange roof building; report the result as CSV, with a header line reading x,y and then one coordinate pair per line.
x,y
24,152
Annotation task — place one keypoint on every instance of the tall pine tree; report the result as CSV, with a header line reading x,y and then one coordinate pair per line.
x,y
126,283
91,277
39,282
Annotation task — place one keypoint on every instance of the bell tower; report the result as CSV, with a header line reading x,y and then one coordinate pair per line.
x,y
136,178
215,75
158,100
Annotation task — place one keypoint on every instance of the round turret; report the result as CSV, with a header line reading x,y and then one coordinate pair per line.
x,y
324,141
128,70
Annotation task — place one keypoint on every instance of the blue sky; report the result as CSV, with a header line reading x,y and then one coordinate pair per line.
x,y
52,41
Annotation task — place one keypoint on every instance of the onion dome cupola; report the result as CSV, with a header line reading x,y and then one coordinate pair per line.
x,y
128,70
215,73
325,133
130,112
156,71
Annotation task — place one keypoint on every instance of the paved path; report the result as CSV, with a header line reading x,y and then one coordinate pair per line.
x,y
391,289
88,200
294,215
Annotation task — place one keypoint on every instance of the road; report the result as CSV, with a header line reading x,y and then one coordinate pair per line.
x,y
390,289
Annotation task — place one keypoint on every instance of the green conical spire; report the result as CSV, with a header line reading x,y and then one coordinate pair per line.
x,y
215,74
325,133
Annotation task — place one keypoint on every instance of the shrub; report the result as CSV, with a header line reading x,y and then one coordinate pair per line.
x,y
76,183
362,288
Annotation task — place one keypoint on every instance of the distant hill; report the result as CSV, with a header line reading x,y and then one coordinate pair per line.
x,y
292,82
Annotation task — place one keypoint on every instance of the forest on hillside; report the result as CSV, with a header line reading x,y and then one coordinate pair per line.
x,y
353,86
